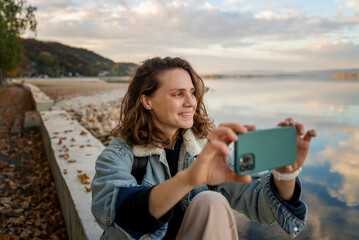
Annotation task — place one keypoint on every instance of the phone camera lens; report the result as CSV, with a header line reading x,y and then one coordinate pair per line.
x,y
248,158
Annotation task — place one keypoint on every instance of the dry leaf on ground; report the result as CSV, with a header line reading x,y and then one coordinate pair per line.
x,y
83,133
84,178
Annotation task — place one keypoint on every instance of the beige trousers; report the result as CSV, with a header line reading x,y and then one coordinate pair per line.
x,y
208,217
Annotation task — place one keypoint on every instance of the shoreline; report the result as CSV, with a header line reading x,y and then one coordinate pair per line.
x,y
95,105
60,89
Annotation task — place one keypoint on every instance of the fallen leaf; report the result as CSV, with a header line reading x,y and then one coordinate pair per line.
x,y
71,161
5,200
56,217
84,178
83,133
26,186
66,156
25,234
60,142
88,189
82,146
4,153
25,205
88,145
65,171
79,171
55,132
4,236
36,233
89,154
73,140
18,211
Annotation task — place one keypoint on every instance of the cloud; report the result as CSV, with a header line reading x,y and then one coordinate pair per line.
x,y
174,22
124,30
353,4
344,160
231,2
318,53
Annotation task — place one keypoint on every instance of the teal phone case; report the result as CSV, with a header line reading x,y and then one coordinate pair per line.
x,y
265,149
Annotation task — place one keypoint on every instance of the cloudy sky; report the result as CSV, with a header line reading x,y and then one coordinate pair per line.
x,y
215,36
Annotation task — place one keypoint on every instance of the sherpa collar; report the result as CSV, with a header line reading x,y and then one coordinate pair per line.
x,y
191,144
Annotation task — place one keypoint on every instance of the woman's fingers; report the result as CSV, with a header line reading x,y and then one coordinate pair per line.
x,y
233,177
292,122
309,134
250,127
223,133
241,179
215,146
283,124
227,132
300,129
237,128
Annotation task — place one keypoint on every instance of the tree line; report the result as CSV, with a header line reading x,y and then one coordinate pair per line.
x,y
30,57
15,19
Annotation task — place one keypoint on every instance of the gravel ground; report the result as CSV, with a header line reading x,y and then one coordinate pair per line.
x,y
29,208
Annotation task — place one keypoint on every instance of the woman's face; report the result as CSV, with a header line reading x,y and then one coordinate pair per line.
x,y
173,104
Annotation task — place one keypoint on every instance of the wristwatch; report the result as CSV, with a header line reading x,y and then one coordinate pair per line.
x,y
286,176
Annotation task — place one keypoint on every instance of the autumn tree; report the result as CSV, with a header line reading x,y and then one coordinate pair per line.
x,y
15,19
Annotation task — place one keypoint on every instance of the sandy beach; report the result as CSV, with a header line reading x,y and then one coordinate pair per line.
x,y
65,88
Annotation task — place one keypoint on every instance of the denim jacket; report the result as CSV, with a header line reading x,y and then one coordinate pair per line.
x,y
113,182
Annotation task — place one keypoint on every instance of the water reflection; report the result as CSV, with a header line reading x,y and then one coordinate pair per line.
x,y
331,174
343,157
333,100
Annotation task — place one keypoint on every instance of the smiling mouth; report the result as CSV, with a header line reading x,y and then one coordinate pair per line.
x,y
185,114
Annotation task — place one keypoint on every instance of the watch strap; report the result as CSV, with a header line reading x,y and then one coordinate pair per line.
x,y
286,176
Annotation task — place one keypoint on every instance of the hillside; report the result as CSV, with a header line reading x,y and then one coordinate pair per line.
x,y
55,59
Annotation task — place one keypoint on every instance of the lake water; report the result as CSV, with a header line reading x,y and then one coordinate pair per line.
x,y
330,176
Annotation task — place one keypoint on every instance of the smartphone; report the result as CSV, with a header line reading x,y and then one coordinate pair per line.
x,y
265,149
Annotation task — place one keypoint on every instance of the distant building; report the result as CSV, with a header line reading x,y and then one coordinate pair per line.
x,y
103,73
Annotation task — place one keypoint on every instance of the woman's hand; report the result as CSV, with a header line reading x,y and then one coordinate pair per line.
x,y
303,143
211,166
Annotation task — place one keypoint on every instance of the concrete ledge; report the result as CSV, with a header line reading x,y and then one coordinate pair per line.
x,y
41,100
32,120
71,151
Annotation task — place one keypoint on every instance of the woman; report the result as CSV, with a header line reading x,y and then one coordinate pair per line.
x,y
153,181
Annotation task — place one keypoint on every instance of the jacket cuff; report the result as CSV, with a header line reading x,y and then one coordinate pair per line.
x,y
289,222
295,206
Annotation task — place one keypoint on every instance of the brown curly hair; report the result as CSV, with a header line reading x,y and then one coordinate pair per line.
x,y
136,124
